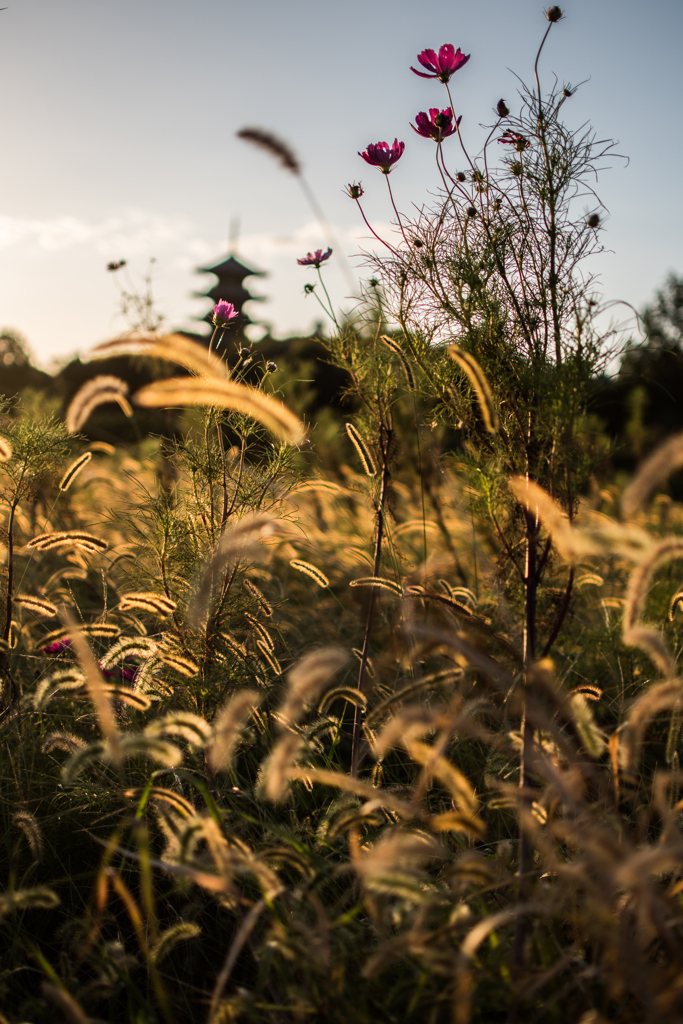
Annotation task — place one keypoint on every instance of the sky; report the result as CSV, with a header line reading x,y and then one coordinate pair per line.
x,y
118,120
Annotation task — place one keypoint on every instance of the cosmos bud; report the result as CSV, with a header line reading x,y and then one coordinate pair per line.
x,y
244,352
502,108
271,367
553,13
471,211
461,176
593,221
418,243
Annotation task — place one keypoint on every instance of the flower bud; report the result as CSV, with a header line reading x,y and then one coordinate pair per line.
x,y
502,108
593,221
271,367
355,190
418,243
244,352
553,13
568,91
309,288
516,168
460,176
471,211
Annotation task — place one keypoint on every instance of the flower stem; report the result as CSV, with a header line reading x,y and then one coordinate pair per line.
x,y
329,300
398,216
371,229
220,337
455,122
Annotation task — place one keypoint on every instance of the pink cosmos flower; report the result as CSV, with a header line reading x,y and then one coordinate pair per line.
x,y
223,313
314,259
510,138
438,126
382,155
442,65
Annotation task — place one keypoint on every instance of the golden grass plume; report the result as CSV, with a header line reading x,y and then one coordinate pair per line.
x,y
147,601
306,679
363,449
310,570
98,391
224,394
38,605
95,686
657,467
227,728
173,348
31,829
252,589
73,471
67,538
480,384
239,542
378,582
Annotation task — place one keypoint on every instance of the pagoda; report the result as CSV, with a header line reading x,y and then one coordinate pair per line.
x,y
231,274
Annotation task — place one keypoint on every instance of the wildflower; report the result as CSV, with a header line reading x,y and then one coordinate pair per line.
x,y
553,13
438,126
382,155
355,190
502,108
223,313
314,259
520,142
442,65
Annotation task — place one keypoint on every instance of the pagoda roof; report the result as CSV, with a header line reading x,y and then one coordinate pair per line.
x,y
229,293
231,266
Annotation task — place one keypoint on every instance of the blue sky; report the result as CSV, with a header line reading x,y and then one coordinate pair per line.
x,y
118,121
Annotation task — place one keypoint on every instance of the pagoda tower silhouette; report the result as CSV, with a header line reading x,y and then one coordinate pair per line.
x,y
231,274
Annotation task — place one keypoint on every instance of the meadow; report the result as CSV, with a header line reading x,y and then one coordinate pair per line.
x,y
371,720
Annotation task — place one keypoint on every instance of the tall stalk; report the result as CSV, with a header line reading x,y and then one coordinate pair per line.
x,y
385,442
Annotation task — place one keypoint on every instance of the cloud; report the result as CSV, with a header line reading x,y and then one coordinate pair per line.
x,y
132,231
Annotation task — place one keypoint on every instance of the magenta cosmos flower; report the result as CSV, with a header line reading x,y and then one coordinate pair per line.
x,y
223,313
314,259
382,155
442,64
520,142
438,125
